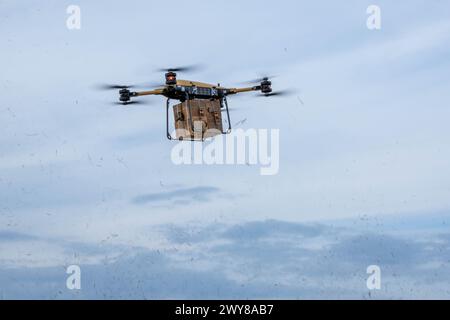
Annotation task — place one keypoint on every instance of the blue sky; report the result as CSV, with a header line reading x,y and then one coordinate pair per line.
x,y
364,151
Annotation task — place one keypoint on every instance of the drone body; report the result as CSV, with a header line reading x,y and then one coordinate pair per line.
x,y
200,104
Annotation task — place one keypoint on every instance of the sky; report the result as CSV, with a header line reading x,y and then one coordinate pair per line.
x,y
364,172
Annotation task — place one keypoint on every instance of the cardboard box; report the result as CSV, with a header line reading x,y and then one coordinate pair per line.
x,y
206,119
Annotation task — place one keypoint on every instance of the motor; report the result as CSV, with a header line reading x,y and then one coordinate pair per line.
x,y
124,95
266,85
171,78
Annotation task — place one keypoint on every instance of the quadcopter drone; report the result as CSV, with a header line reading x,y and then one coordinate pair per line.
x,y
200,104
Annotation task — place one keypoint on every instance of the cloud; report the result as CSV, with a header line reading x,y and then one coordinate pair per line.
x,y
179,196
14,236
260,229
255,259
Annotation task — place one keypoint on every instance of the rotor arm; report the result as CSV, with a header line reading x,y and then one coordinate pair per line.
x,y
242,90
265,87
126,95
147,93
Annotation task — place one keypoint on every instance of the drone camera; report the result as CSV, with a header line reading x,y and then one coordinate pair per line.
x,y
171,78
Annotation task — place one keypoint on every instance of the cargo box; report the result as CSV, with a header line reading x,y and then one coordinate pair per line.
x,y
206,119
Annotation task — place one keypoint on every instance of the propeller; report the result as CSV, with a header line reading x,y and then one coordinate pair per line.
x,y
143,85
277,93
193,67
258,80
128,102
113,87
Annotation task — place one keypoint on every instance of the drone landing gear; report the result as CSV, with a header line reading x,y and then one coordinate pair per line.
x,y
222,101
